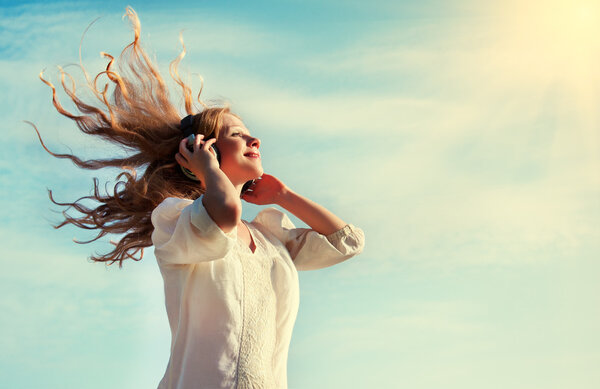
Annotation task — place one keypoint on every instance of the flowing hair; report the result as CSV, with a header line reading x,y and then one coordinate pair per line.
x,y
132,110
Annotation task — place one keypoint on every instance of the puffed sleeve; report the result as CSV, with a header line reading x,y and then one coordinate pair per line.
x,y
184,232
309,249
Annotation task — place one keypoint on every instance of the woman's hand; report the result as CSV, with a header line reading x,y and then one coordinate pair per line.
x,y
266,190
201,160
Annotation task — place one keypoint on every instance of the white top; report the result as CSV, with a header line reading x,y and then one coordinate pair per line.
x,y
231,311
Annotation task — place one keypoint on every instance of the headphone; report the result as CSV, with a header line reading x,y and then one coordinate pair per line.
x,y
188,132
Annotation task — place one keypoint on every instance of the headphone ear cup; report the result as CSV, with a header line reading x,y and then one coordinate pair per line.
x,y
190,142
190,146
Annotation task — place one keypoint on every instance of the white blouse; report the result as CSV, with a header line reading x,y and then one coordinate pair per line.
x,y
232,311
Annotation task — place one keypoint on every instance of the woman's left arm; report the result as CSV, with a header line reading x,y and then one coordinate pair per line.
x,y
329,241
270,190
316,216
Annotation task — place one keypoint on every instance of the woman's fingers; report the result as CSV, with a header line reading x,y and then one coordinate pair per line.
x,y
209,142
198,141
249,197
186,154
183,150
180,160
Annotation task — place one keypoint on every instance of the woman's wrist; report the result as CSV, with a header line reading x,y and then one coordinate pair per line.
x,y
284,197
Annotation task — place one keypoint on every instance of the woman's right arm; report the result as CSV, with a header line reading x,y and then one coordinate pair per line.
x,y
221,200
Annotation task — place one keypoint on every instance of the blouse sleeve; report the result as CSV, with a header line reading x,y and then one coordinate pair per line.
x,y
184,232
309,249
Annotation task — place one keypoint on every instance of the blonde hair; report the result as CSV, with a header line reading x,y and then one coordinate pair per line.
x,y
139,117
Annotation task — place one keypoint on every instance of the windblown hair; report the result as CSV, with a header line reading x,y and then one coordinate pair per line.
x,y
139,117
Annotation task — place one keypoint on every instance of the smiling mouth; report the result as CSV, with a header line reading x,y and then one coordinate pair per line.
x,y
252,155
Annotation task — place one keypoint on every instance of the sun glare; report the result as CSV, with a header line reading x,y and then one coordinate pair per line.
x,y
587,14
557,42
559,26
582,23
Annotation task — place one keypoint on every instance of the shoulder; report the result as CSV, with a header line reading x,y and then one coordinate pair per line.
x,y
273,221
169,208
173,203
271,217
268,212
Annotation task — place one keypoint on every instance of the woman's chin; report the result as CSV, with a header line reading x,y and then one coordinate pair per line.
x,y
256,173
260,172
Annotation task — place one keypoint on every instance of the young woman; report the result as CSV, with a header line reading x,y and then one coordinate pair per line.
x,y
231,286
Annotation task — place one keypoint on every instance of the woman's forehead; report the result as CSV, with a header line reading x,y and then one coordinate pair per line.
x,y
231,123
229,119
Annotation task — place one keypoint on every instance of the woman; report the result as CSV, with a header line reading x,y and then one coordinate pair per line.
x,y
231,286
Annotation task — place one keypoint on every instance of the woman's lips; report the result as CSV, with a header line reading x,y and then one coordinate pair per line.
x,y
252,155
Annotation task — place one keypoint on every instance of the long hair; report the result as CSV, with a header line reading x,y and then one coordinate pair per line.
x,y
132,110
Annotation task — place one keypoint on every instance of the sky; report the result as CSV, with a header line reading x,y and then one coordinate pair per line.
x,y
463,137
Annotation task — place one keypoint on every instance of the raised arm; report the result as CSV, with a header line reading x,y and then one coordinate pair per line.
x,y
221,200
316,216
270,190
329,240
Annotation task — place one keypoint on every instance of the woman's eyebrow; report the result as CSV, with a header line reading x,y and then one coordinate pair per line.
x,y
239,128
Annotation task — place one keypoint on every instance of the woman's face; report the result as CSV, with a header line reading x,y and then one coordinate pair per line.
x,y
240,158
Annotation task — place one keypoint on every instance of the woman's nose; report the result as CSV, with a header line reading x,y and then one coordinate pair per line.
x,y
255,142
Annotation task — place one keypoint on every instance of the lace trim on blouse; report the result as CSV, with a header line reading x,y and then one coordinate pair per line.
x,y
257,345
259,331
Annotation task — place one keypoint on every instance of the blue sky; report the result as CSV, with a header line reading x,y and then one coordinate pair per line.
x,y
464,138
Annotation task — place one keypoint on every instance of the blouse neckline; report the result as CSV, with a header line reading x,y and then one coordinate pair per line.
x,y
252,239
